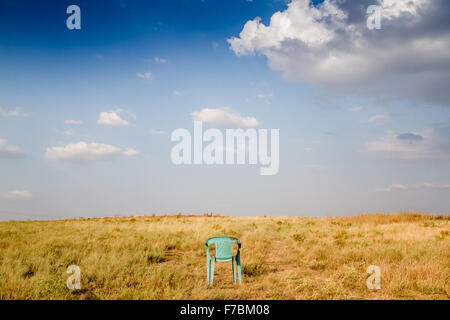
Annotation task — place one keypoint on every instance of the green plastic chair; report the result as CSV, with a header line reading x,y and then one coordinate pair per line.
x,y
223,252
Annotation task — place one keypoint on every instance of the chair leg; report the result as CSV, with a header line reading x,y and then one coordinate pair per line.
x,y
208,268
233,268
238,263
211,276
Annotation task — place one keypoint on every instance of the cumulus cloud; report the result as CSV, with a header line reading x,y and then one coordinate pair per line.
x,y
159,60
131,152
14,112
144,75
69,133
113,118
433,185
429,144
83,152
392,187
395,8
379,119
156,60
264,97
9,151
74,122
72,133
330,46
17,194
356,109
224,117
425,185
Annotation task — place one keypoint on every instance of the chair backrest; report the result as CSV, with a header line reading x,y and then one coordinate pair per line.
x,y
222,250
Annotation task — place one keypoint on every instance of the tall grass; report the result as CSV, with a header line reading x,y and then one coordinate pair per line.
x,y
282,258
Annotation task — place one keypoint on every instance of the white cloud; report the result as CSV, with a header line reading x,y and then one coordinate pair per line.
x,y
112,118
433,185
424,145
329,45
73,133
160,60
14,112
144,75
178,93
299,22
154,132
264,97
9,151
379,119
308,149
224,117
74,122
69,133
395,8
156,60
357,109
83,152
17,194
424,185
392,187
131,152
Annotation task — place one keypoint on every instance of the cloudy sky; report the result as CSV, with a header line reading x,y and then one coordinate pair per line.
x,y
86,115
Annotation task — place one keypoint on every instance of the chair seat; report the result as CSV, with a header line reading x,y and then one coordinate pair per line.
x,y
224,259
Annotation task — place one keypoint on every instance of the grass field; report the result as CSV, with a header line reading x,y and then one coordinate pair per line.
x,y
282,258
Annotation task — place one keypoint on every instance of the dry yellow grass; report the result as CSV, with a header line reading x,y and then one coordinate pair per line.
x,y
282,258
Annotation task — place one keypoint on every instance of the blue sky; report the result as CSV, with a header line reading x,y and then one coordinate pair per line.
x,y
352,140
